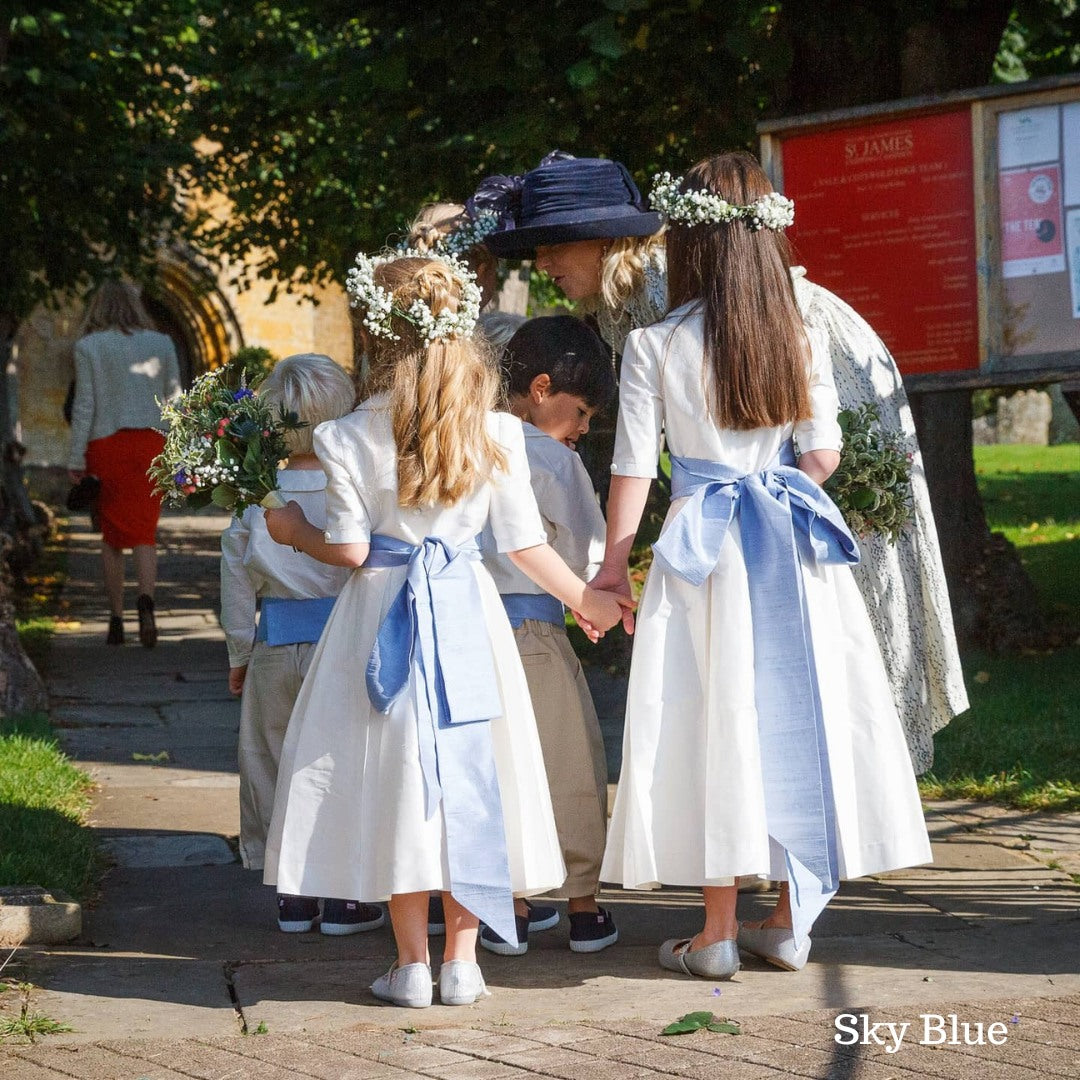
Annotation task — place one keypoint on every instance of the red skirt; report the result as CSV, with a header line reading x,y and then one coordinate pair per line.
x,y
127,504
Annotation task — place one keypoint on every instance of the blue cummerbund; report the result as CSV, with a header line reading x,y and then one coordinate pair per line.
x,y
542,606
289,622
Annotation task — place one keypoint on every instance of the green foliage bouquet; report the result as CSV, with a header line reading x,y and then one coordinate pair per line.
x,y
872,483
223,446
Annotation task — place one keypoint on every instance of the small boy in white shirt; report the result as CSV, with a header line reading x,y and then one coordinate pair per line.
x,y
269,652
558,375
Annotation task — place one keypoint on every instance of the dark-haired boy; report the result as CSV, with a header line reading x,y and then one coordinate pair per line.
x,y
558,375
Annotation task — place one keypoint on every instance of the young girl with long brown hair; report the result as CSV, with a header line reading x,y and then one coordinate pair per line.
x,y
761,737
411,761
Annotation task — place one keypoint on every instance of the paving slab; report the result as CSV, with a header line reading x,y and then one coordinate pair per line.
x,y
175,960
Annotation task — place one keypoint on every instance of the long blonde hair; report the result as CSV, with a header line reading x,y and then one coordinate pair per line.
x,y
440,394
116,305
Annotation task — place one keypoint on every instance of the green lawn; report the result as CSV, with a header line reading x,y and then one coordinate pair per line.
x,y
1020,741
44,800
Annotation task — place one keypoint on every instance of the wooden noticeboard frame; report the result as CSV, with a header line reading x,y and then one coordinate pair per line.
x,y
852,167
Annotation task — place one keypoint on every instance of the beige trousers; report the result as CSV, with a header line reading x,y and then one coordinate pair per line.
x,y
273,680
573,751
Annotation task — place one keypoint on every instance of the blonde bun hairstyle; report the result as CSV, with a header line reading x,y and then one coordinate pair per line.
x,y
440,393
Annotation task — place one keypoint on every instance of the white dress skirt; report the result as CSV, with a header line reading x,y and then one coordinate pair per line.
x,y
349,818
690,807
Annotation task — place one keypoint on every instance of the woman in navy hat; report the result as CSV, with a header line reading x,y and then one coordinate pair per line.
x,y
584,222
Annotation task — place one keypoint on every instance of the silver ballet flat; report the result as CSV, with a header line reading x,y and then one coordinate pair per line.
x,y
775,945
409,986
461,983
717,961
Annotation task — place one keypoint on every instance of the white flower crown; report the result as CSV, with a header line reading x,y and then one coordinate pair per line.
x,y
379,302
473,233
698,207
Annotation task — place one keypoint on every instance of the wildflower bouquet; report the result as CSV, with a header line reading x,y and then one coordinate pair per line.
x,y
223,446
872,483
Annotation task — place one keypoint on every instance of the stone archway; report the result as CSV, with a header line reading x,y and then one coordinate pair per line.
x,y
188,306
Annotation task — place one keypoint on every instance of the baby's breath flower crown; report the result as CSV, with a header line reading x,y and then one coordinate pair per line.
x,y
699,207
473,233
378,303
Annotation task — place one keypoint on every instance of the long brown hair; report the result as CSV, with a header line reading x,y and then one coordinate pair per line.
x,y
755,342
440,394
116,305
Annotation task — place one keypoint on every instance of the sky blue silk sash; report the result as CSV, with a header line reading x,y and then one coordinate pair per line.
x,y
541,606
284,621
784,519
435,638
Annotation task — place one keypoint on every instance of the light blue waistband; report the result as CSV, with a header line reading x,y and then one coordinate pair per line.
x,y
283,621
541,606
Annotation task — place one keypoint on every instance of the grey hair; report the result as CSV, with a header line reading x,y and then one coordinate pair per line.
x,y
312,386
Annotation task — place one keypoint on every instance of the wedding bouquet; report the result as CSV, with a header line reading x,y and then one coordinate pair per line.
x,y
222,447
872,484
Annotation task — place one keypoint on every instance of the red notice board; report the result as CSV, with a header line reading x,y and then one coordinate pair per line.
x,y
885,218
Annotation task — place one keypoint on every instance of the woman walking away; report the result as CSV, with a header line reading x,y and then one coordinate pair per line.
x,y
761,736
124,370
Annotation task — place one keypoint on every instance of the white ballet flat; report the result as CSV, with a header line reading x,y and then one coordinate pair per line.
x,y
461,982
775,945
409,986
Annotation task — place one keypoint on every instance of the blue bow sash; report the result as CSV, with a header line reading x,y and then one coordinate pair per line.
x,y
785,520
434,638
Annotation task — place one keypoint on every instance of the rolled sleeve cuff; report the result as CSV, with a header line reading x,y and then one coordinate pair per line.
x,y
820,437
346,536
520,541
645,470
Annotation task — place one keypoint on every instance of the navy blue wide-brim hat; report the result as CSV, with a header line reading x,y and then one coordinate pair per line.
x,y
566,199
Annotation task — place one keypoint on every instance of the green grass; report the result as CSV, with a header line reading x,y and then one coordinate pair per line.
x,y
1019,743
44,801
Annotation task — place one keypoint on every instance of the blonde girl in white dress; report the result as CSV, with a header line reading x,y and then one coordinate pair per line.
x,y
411,762
761,735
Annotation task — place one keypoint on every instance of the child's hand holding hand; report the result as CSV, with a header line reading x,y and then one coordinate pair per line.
x,y
602,610
285,525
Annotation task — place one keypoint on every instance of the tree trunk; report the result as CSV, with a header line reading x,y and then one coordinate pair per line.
x,y
21,535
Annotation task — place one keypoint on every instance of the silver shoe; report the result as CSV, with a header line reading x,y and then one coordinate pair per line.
x,y
717,961
461,983
409,986
775,945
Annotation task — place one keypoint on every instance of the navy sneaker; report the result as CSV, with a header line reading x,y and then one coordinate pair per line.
x,y
541,917
436,920
296,914
350,917
591,931
493,943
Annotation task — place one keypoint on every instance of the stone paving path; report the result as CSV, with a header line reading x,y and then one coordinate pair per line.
x,y
181,956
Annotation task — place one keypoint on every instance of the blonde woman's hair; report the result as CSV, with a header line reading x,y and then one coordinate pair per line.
x,y
622,270
312,386
440,394
432,223
116,305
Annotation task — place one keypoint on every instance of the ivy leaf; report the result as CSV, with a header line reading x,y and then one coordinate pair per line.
x,y
582,75
726,1027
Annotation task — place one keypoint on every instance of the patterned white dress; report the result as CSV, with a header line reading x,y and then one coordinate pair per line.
x,y
903,584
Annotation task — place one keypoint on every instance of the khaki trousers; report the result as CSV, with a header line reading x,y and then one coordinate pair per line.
x,y
271,685
573,751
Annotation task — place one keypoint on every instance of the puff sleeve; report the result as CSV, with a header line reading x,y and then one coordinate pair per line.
x,y
348,520
640,426
821,431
